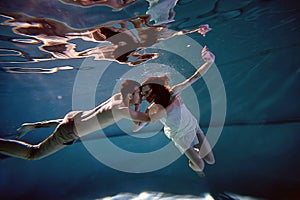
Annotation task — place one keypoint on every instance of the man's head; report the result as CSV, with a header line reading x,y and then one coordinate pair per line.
x,y
130,90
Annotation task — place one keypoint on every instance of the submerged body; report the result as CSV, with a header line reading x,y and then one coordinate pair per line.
x,y
75,125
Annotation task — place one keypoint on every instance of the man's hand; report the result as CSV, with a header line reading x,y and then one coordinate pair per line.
x,y
207,56
138,126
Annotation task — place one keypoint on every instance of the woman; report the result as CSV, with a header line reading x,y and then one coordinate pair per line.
x,y
179,123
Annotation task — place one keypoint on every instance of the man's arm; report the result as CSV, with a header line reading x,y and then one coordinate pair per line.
x,y
138,125
209,59
134,115
156,112
137,108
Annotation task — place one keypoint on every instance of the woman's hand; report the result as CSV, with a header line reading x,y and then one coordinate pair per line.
x,y
207,56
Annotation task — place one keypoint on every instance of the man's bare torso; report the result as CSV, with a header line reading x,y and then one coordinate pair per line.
x,y
100,117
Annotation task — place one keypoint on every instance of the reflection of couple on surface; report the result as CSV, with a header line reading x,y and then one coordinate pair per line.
x,y
115,41
115,4
166,105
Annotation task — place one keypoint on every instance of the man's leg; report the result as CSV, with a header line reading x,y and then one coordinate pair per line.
x,y
19,149
62,136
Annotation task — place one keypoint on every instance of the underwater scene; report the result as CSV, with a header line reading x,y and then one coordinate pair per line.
x,y
150,99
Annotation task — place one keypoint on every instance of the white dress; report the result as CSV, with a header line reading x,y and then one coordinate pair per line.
x,y
181,126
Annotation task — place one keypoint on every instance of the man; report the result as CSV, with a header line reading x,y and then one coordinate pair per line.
x,y
77,124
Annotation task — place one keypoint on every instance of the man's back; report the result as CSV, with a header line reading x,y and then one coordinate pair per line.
x,y
104,115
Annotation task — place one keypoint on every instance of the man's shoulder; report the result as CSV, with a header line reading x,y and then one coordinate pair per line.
x,y
117,96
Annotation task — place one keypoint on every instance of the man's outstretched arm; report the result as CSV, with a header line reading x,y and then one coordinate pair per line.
x,y
156,112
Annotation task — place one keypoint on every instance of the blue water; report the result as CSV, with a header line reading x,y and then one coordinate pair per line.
x,y
256,44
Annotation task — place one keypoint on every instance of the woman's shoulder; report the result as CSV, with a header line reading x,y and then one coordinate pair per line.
x,y
172,95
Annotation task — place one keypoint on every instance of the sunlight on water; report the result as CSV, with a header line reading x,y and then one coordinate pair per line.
x,y
156,195
165,196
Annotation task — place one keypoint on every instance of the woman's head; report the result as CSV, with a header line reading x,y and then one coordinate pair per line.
x,y
160,80
156,89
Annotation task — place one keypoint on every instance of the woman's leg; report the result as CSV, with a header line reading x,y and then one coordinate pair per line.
x,y
204,148
196,162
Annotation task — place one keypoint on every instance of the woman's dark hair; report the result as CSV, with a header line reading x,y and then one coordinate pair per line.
x,y
160,88
162,94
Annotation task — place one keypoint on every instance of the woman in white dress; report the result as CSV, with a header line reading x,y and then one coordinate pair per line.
x,y
179,123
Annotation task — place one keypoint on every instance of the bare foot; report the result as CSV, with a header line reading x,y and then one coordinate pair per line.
x,y
197,170
24,129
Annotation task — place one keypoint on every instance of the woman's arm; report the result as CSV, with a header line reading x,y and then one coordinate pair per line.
x,y
209,59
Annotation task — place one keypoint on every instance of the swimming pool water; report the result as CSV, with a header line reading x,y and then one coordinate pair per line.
x,y
256,44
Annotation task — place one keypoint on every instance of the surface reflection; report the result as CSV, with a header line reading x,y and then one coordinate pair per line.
x,y
123,41
115,4
25,70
